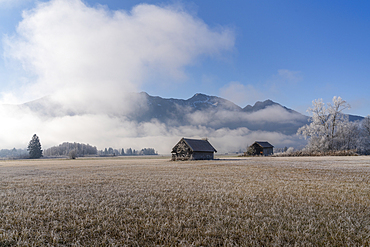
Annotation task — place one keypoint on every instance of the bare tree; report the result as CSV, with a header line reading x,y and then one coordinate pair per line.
x,y
365,135
250,151
366,125
72,154
347,136
325,123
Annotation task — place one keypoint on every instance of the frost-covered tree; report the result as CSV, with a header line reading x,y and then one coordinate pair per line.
x,y
348,136
290,150
365,136
250,151
72,154
366,125
34,147
65,148
327,122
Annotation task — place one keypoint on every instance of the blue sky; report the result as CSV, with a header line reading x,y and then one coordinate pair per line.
x,y
291,52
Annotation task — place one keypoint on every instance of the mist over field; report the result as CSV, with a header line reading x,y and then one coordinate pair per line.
x,y
104,130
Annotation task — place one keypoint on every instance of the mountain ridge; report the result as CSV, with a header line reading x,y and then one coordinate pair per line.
x,y
199,110
196,99
216,112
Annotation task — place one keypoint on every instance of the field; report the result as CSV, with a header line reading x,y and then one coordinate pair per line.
x,y
304,201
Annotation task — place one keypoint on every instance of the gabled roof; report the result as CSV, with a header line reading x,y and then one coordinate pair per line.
x,y
199,145
264,144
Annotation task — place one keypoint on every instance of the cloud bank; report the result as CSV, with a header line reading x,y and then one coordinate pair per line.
x,y
91,56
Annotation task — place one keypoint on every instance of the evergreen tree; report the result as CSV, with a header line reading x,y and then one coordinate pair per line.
x,y
34,147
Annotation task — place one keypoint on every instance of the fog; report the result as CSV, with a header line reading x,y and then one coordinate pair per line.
x,y
271,114
90,60
104,130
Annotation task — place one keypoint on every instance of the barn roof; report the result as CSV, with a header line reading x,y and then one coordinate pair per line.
x,y
199,145
264,144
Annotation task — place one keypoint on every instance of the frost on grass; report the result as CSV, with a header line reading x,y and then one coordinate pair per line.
x,y
146,202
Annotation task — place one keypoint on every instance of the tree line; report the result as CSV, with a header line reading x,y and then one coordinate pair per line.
x,y
80,150
64,149
14,153
33,150
129,151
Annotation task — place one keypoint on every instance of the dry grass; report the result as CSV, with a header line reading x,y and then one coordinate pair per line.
x,y
303,201
315,153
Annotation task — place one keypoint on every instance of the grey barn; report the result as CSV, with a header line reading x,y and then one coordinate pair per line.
x,y
262,148
193,149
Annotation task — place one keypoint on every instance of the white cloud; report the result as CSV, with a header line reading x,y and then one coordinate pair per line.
x,y
107,131
272,114
86,55
8,98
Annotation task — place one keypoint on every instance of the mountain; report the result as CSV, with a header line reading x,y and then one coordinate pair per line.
x,y
216,112
168,110
199,110
262,105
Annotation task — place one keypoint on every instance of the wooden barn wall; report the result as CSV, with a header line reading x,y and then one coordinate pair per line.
x,y
258,149
202,156
181,156
268,151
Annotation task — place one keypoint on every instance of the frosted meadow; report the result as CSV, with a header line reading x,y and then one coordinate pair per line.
x,y
304,201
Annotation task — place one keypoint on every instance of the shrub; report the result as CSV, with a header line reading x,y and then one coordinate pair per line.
x,y
72,154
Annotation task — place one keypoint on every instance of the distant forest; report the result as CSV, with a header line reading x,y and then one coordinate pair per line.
x,y
66,147
81,150
129,151
14,153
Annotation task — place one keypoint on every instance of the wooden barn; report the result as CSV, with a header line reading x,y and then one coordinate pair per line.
x,y
193,149
262,148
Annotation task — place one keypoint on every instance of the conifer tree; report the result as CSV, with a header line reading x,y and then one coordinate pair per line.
x,y
34,147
